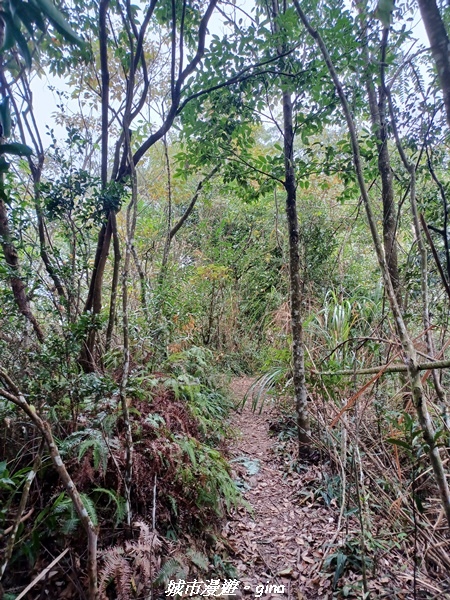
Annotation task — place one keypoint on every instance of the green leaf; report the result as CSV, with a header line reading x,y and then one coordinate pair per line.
x,y
5,117
118,500
4,164
398,442
6,483
30,15
199,559
384,12
419,503
16,148
90,508
14,35
59,22
8,39
341,560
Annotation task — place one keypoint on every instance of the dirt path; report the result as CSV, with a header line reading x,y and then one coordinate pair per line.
x,y
279,548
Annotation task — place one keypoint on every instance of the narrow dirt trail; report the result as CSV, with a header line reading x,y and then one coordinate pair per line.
x,y
279,545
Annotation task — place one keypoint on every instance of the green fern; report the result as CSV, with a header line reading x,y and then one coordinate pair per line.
x,y
171,569
198,559
108,423
100,451
71,442
188,446
155,420
118,500
86,440
63,506
173,504
207,405
70,524
207,478
90,508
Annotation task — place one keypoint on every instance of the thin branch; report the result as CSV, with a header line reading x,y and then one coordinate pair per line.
x,y
426,366
192,203
240,77
42,574
435,255
152,139
103,38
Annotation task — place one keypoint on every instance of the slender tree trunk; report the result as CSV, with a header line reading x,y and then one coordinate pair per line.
x,y
409,352
114,284
440,44
387,187
296,291
12,263
165,258
130,230
426,318
94,300
45,256
378,117
142,280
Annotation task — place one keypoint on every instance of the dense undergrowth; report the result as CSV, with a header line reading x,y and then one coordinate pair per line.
x,y
181,483
372,462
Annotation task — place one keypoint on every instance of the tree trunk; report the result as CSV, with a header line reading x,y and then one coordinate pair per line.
x,y
166,251
298,356
378,117
296,291
114,284
12,263
94,299
439,43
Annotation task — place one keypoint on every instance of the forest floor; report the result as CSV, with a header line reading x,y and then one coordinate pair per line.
x,y
287,542
280,541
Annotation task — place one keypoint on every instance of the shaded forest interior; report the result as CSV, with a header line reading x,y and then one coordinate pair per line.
x,y
224,299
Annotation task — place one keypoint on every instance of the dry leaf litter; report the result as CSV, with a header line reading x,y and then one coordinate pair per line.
x,y
286,534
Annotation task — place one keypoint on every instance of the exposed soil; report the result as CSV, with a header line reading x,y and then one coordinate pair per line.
x,y
282,540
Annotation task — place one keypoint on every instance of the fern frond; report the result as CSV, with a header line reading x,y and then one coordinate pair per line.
x,y
117,570
171,569
90,508
70,524
85,440
148,537
187,445
100,451
148,541
199,559
118,500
